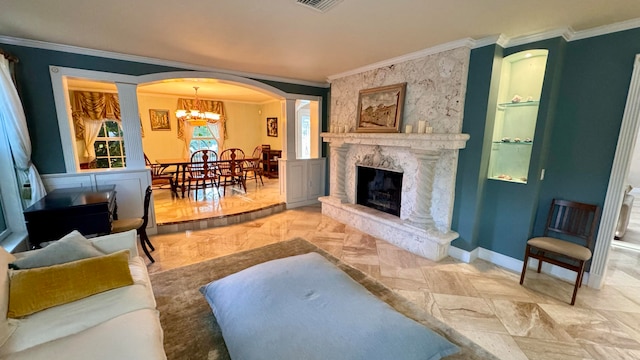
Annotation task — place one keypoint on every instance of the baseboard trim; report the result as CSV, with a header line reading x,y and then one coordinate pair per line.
x,y
513,264
463,255
297,204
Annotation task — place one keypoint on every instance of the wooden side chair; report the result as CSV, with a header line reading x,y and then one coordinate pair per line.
x,y
567,239
230,168
203,171
159,176
254,166
139,224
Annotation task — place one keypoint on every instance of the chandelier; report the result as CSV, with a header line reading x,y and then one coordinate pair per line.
x,y
196,116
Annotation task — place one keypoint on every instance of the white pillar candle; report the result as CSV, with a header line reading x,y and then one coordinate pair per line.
x,y
408,128
422,125
428,130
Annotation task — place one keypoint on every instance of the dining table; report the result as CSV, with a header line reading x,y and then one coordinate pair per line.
x,y
178,185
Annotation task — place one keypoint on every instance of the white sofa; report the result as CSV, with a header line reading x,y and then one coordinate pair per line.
x,y
122,323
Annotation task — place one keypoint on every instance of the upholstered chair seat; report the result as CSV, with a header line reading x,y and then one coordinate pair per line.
x,y
561,247
126,225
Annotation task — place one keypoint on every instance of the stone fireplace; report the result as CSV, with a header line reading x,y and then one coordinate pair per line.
x,y
427,163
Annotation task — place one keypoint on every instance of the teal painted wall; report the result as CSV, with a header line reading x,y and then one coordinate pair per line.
x,y
583,103
34,86
473,159
591,102
500,213
509,209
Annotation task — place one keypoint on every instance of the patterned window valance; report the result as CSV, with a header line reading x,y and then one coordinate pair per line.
x,y
87,105
207,105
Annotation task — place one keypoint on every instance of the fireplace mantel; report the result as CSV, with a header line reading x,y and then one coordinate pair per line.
x,y
413,141
429,162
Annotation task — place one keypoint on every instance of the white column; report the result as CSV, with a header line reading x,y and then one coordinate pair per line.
x,y
617,180
338,169
289,127
130,115
421,214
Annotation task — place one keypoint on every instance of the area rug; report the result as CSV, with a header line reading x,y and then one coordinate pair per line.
x,y
191,330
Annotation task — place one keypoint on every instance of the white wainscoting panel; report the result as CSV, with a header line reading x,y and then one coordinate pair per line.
x,y
130,187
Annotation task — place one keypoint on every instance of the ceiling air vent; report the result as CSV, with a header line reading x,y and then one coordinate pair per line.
x,y
319,5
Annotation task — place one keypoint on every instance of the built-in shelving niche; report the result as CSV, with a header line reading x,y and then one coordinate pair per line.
x,y
519,93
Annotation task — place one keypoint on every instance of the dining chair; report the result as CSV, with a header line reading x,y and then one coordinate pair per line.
x,y
230,169
202,171
159,176
138,224
567,239
254,165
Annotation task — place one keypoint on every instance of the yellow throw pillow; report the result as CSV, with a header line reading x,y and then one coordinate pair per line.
x,y
37,289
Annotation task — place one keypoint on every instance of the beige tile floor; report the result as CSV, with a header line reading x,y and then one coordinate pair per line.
x,y
481,300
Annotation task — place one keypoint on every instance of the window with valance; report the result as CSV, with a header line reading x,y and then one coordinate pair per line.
x,y
217,128
97,123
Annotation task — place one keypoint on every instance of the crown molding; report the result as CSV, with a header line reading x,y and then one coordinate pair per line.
x,y
467,42
489,40
148,60
607,29
566,33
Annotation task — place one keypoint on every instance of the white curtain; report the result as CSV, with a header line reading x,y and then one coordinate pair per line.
x,y
188,136
91,130
15,123
217,129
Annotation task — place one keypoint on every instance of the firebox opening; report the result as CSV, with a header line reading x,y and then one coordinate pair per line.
x,y
379,189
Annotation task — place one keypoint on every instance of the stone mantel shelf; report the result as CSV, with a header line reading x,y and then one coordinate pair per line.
x,y
413,141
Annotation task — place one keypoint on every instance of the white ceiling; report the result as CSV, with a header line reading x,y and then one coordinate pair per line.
x,y
282,38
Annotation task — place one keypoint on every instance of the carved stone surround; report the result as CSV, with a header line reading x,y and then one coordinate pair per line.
x,y
428,163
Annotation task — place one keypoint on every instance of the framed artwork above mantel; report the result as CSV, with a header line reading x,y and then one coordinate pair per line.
x,y
380,109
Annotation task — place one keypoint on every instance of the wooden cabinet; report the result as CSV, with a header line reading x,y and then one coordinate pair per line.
x,y
270,162
88,210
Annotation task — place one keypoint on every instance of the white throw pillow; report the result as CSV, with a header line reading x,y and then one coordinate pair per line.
x,y
7,326
71,247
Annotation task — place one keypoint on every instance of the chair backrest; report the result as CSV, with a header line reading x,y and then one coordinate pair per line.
x,y
256,155
231,154
199,155
229,167
147,200
575,219
257,152
147,162
203,164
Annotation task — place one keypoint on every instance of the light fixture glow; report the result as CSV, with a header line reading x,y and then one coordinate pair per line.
x,y
197,116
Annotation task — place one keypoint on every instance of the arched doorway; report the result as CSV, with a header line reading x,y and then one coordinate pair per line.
x,y
134,178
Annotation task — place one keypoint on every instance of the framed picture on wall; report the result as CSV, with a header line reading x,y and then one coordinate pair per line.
x,y
159,119
380,109
272,126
